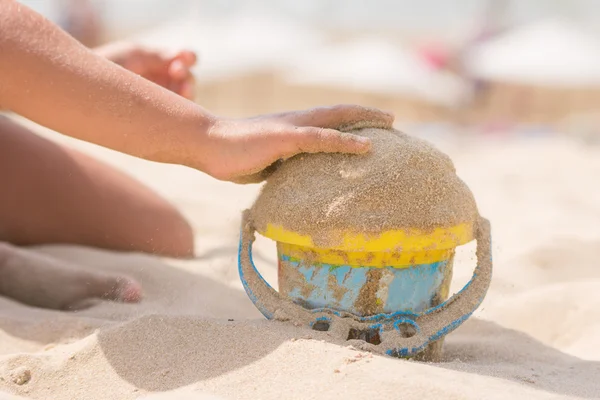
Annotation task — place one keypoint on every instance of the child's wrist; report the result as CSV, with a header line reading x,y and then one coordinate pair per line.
x,y
203,149
214,146
187,142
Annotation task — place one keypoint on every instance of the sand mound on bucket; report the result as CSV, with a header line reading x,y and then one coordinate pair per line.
x,y
404,182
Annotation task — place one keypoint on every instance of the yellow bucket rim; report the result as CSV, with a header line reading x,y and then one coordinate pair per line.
x,y
380,259
411,240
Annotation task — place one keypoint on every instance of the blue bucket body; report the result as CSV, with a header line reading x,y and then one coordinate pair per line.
x,y
364,290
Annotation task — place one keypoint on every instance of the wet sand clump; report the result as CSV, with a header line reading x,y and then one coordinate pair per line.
x,y
403,182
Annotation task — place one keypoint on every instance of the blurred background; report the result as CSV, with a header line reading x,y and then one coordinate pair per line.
x,y
501,67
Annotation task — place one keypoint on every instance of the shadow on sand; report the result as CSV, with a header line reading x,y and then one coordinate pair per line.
x,y
189,329
484,347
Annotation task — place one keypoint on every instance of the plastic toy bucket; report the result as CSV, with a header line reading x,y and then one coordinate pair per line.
x,y
389,282
396,271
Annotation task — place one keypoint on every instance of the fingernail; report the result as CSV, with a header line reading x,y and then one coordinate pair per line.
x,y
178,70
361,139
363,143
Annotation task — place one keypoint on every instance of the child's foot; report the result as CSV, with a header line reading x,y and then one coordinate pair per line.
x,y
42,281
171,71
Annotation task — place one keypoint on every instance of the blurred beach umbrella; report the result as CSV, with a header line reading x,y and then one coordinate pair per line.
x,y
546,53
239,44
373,64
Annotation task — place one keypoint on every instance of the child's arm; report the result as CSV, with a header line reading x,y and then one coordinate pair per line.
x,y
48,77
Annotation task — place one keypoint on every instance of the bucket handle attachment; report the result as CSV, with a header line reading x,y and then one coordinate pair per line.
x,y
402,334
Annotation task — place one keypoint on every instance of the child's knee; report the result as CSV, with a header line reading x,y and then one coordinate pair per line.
x,y
177,239
171,235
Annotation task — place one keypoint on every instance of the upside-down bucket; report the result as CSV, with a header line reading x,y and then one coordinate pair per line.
x,y
389,288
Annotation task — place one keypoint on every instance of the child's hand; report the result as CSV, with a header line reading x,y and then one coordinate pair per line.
x,y
87,97
169,70
242,151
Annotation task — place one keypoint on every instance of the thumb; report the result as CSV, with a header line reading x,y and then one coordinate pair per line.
x,y
321,140
181,63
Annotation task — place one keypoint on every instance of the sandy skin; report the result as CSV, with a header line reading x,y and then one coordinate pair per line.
x,y
139,104
153,226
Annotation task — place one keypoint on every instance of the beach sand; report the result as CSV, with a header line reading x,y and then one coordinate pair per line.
x,y
197,335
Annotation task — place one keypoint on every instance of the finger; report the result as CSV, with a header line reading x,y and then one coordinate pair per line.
x,y
318,140
178,70
176,66
149,62
188,89
342,117
187,57
181,63
257,177
185,88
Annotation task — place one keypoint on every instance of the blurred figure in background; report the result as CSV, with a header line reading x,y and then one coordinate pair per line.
x,y
82,20
435,54
493,23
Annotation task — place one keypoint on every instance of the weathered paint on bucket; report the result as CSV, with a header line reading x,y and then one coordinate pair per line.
x,y
363,290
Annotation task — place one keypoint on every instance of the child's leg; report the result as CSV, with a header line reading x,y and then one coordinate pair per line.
x,y
52,194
